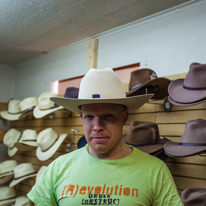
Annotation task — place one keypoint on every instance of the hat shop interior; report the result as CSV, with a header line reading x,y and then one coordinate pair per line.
x,y
153,47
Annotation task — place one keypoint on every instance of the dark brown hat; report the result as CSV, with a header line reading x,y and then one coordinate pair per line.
x,y
144,136
192,89
145,81
192,141
194,197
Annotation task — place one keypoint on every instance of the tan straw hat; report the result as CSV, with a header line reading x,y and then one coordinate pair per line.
x,y
7,167
40,172
10,138
28,140
7,195
144,136
22,172
48,141
102,86
23,201
45,105
14,110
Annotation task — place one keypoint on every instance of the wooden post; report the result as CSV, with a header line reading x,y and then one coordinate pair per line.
x,y
92,54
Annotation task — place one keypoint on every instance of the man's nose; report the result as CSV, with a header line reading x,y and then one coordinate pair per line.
x,y
98,125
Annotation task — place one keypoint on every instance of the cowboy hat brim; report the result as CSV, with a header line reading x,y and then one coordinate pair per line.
x,y
185,104
26,146
148,148
10,117
41,113
15,182
6,178
178,93
162,91
173,149
42,156
8,202
132,103
12,152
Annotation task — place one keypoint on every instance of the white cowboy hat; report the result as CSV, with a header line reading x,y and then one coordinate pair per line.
x,y
7,195
14,110
28,140
10,138
40,172
22,172
45,105
23,201
102,86
7,168
48,141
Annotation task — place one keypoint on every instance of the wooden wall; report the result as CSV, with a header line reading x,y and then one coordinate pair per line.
x,y
188,172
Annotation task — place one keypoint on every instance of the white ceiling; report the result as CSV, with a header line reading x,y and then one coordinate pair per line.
x,y
29,28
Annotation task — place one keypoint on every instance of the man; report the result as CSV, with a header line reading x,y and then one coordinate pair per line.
x,y
105,171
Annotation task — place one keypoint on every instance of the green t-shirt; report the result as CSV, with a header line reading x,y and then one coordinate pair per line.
x,y
79,179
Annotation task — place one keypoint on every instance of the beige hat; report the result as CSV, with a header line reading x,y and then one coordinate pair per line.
x,y
10,138
7,168
48,141
7,195
23,201
45,105
22,172
28,140
102,86
14,110
40,172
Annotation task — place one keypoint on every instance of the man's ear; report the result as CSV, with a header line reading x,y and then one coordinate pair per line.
x,y
125,116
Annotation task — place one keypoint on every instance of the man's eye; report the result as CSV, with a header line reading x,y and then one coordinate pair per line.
x,y
108,115
89,117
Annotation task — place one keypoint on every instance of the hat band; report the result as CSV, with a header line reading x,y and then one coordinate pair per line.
x,y
135,86
28,140
17,141
11,171
52,144
190,88
192,144
24,176
139,145
28,110
8,198
13,113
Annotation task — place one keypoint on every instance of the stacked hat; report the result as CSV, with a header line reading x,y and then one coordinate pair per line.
x,y
7,196
23,201
22,172
28,140
192,141
7,170
192,89
145,137
194,197
102,86
48,141
146,81
12,136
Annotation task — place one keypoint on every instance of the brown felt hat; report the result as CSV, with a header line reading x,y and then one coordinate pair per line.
x,y
144,136
192,89
194,197
145,81
192,141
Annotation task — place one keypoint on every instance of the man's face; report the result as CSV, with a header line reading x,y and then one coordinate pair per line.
x,y
103,124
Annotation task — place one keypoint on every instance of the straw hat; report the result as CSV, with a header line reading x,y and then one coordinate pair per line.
x,y
192,89
145,81
48,141
7,167
40,172
22,172
28,140
192,141
7,195
23,201
10,138
144,136
102,86
45,105
14,110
